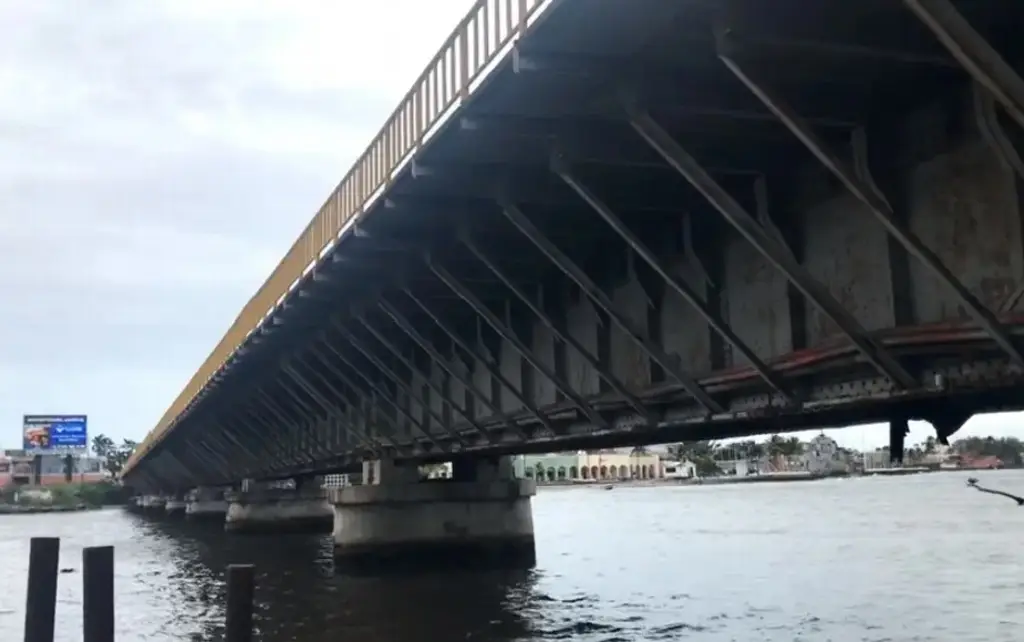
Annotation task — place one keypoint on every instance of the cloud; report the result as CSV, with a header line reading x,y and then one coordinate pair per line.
x,y
156,160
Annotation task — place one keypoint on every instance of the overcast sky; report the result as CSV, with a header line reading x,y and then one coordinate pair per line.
x,y
156,159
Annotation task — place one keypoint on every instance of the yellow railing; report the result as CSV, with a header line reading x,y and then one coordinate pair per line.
x,y
476,42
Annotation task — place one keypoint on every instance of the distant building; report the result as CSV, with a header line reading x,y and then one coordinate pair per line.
x,y
876,459
678,469
822,456
17,467
587,466
981,462
939,455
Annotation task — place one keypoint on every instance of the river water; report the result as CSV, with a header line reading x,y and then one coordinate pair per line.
x,y
911,558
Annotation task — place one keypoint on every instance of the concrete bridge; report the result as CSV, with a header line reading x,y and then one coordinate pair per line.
x,y
595,223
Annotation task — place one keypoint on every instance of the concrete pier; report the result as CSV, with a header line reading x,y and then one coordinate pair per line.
x,y
175,507
152,504
277,510
206,504
481,517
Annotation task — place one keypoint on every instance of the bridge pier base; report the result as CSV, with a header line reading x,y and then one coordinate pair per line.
x,y
480,517
899,428
206,504
175,506
152,505
276,510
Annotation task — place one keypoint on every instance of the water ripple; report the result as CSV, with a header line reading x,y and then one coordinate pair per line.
x,y
864,560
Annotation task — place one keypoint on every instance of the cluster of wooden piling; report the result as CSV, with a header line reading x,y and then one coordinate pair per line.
x,y
98,594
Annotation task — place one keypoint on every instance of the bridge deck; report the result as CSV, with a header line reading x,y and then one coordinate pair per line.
x,y
654,220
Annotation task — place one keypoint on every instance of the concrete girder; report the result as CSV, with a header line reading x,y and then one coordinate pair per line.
x,y
529,230
384,395
438,360
482,359
353,406
238,431
973,52
401,385
563,335
714,320
508,335
729,49
336,412
205,457
304,426
221,437
655,72
416,372
397,380
270,431
306,430
991,129
766,244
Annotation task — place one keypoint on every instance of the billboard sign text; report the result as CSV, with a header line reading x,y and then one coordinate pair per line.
x,y
54,433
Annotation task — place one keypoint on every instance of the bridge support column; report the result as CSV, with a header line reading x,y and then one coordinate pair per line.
x,y
279,510
206,504
482,516
152,505
175,505
898,431
946,418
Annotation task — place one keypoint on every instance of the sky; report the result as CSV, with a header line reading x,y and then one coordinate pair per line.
x,y
871,436
157,159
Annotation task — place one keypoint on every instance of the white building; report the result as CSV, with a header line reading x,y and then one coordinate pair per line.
x,y
678,469
587,466
822,455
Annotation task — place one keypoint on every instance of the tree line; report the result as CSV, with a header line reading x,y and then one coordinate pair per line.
x,y
114,455
1007,449
704,454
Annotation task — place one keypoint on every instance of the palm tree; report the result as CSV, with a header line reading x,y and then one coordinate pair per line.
x,y
793,446
930,445
749,448
693,450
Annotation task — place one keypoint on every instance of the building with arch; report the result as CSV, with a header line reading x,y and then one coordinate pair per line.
x,y
589,466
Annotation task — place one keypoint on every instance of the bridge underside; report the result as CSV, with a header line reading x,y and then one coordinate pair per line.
x,y
660,220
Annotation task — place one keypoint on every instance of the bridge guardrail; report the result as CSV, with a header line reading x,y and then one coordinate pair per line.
x,y
478,41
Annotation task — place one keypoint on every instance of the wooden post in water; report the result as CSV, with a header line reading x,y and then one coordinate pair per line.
x,y
41,599
238,619
98,594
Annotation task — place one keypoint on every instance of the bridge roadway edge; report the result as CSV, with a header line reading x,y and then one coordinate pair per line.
x,y
951,359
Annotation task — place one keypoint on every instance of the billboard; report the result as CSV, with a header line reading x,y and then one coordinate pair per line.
x,y
54,433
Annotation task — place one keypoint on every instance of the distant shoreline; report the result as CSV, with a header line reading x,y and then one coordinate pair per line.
x,y
16,509
724,480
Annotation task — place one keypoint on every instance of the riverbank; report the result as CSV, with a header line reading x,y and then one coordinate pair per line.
x,y
692,481
61,498
896,472
765,478
21,509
